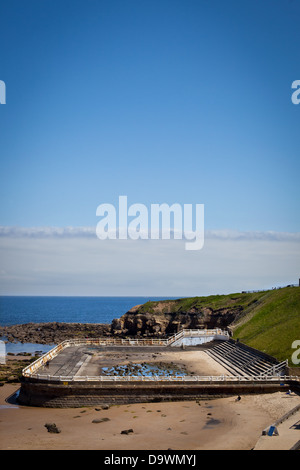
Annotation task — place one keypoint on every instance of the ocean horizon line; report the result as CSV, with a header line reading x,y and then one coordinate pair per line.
x,y
101,296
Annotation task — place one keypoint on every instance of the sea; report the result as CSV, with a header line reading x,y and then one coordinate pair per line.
x,y
16,310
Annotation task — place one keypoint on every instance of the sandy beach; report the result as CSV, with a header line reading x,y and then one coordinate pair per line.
x,y
222,423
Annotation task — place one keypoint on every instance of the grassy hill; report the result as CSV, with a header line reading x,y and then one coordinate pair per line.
x,y
266,320
273,323
270,320
216,302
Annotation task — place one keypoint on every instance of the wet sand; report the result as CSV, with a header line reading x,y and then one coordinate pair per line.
x,y
222,423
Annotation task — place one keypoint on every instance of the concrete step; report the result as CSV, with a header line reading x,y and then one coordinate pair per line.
x,y
238,360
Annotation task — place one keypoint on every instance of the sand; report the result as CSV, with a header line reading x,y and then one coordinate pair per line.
x,y
222,423
195,362
215,424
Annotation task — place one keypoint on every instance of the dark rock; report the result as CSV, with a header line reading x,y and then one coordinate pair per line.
x,y
127,431
51,427
101,420
53,332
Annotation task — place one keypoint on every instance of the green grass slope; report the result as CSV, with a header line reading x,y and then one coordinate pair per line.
x,y
272,324
244,300
268,320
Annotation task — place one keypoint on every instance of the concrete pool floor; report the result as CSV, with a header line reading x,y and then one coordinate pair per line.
x,y
90,360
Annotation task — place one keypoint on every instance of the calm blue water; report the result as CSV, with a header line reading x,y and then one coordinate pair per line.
x,y
20,310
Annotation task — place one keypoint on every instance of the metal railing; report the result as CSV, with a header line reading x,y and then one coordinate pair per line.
x,y
276,369
41,361
171,378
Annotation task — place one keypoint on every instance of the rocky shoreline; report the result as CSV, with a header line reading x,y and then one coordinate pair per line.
x,y
52,333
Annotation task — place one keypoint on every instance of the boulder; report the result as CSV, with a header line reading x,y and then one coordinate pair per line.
x,y
127,431
101,420
51,427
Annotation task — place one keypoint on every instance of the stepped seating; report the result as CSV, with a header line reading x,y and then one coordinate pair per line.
x,y
240,361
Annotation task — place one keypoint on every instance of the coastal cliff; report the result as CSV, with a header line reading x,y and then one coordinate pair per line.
x,y
163,318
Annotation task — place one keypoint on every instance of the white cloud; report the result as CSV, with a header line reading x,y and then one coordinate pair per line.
x,y
43,232
73,261
252,235
90,232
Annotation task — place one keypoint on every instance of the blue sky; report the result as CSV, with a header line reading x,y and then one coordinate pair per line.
x,y
163,101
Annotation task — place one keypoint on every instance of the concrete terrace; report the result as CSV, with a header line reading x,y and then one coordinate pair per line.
x,y
82,361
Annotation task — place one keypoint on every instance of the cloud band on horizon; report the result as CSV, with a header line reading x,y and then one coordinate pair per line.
x,y
73,261
90,232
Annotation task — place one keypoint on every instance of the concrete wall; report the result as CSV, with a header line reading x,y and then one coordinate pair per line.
x,y
73,395
196,340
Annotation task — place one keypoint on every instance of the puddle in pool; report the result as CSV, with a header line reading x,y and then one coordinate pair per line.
x,y
145,369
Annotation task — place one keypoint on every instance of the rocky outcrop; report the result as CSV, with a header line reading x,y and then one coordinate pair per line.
x,y
52,333
163,319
